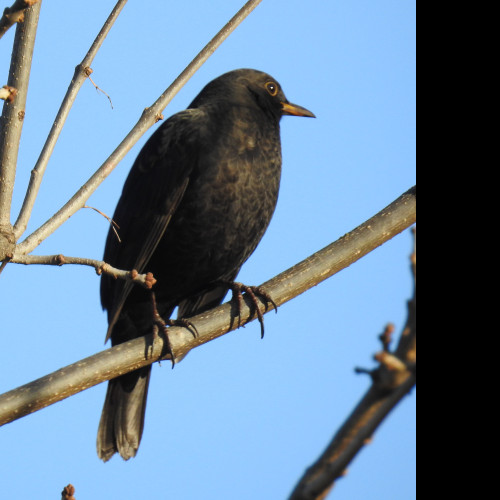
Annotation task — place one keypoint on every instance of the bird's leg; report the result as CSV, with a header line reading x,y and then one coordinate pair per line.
x,y
254,292
160,324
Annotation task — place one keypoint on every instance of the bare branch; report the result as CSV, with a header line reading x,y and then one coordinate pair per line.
x,y
143,351
394,379
14,14
149,117
8,93
11,122
79,77
145,280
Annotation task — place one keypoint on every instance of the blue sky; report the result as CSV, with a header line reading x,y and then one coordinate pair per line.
x,y
240,417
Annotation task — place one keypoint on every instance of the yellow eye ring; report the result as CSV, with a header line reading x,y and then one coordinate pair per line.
x,y
272,88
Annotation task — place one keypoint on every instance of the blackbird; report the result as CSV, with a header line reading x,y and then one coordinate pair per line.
x,y
196,203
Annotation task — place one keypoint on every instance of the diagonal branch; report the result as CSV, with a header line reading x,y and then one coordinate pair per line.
x,y
81,74
11,122
14,14
392,381
149,117
143,351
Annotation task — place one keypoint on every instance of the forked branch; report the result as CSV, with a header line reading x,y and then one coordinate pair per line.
x,y
81,74
392,380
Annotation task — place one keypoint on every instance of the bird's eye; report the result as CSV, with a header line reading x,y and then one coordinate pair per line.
x,y
272,88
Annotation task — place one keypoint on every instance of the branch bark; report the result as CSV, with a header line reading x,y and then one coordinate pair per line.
x,y
392,381
143,351
14,14
149,117
11,122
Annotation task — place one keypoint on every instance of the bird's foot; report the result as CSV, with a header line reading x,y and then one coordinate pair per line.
x,y
255,293
159,324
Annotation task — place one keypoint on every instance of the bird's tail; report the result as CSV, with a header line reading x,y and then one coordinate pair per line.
x,y
122,419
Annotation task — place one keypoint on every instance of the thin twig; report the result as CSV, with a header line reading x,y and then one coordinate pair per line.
x,y
143,351
79,77
114,225
3,265
11,122
101,91
145,280
148,118
14,14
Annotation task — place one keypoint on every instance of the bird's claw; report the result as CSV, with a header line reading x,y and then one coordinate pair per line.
x,y
159,324
185,323
254,292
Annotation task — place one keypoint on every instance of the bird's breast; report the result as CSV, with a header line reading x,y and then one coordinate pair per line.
x,y
225,211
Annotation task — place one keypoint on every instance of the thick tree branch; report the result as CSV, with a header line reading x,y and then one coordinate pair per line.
x,y
11,122
81,74
14,14
149,117
143,351
392,381
144,280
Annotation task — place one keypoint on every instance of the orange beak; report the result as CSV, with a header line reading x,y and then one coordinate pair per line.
x,y
294,110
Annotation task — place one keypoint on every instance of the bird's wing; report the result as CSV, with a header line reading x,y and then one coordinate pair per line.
x,y
153,190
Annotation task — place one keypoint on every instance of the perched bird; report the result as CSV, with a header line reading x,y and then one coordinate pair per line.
x,y
196,203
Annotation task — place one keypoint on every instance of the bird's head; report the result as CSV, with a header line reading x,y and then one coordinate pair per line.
x,y
250,88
